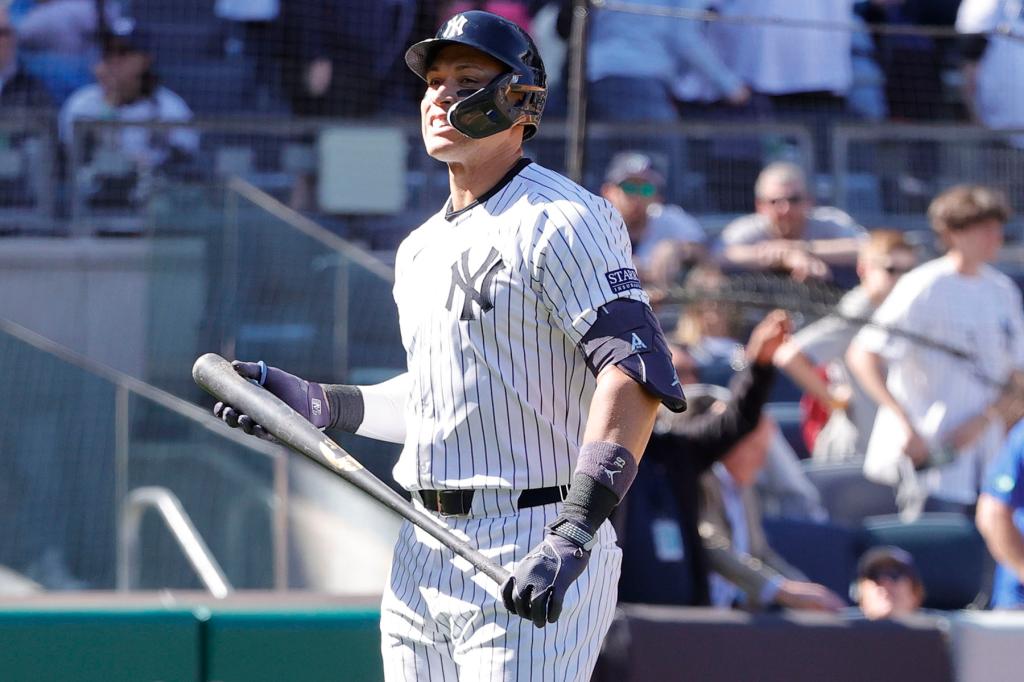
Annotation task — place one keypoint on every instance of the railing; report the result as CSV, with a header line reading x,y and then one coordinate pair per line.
x,y
28,191
130,399
164,502
280,155
711,166
888,174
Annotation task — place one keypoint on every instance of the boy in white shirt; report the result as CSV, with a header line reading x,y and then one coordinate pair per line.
x,y
941,417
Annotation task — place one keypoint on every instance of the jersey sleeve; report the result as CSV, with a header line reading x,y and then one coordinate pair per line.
x,y
1003,479
582,260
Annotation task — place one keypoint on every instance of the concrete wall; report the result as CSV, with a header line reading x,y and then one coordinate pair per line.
x,y
93,295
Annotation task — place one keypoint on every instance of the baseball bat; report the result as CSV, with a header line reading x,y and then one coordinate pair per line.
x,y
216,376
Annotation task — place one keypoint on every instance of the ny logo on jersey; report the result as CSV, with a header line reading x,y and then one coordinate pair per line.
x,y
454,27
465,280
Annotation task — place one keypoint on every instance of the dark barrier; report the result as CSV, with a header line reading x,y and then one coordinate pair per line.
x,y
667,643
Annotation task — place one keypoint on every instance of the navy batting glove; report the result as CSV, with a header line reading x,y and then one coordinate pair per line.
x,y
537,587
305,397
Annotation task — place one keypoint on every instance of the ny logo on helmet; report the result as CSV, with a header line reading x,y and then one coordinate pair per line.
x,y
454,26
464,279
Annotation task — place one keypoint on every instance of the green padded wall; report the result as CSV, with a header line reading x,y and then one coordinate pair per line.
x,y
100,646
272,646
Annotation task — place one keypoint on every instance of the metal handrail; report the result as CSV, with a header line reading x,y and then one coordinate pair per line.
x,y
182,529
311,228
162,398
843,134
124,386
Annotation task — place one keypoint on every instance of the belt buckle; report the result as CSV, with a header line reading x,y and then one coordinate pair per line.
x,y
459,495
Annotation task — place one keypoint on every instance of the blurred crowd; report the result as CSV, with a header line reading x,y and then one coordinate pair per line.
x,y
911,383
663,61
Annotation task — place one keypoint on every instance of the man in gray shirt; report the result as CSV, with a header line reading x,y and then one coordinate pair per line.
x,y
883,258
787,232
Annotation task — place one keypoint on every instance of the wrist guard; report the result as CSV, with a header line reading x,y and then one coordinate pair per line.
x,y
347,407
604,472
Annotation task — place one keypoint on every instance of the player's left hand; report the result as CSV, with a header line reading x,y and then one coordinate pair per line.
x,y
538,585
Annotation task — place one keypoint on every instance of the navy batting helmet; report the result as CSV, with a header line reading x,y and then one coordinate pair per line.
x,y
514,97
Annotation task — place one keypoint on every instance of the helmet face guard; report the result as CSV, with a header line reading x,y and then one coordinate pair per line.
x,y
516,97
498,106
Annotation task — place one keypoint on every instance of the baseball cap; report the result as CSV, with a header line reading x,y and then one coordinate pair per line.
x,y
123,35
880,558
626,165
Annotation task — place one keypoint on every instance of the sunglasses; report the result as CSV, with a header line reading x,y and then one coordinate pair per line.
x,y
791,199
896,270
640,189
893,573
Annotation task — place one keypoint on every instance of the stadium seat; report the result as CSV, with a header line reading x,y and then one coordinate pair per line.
x,y
826,552
847,495
949,552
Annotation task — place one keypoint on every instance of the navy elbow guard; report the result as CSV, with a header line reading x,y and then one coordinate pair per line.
x,y
628,335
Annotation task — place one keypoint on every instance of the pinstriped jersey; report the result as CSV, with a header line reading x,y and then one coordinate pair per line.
x,y
493,301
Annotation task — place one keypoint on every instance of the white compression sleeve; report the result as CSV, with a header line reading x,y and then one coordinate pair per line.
x,y
384,409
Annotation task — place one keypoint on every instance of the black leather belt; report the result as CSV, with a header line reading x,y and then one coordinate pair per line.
x,y
458,502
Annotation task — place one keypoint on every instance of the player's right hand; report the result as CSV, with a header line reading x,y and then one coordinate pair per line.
x,y
537,587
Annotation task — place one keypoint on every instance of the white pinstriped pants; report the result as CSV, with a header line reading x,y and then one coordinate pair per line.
x,y
440,620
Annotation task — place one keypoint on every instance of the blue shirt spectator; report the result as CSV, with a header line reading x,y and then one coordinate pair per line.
x,y
1000,518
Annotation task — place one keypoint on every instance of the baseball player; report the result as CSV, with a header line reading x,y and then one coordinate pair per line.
x,y
535,369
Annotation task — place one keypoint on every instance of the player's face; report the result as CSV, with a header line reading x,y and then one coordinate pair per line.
x,y
456,72
785,204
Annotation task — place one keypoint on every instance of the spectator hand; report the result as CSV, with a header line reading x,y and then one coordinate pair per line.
x,y
767,336
803,266
796,594
915,447
537,587
305,397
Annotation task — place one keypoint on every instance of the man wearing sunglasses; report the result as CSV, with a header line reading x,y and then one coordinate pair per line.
x,y
787,233
664,237
883,259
